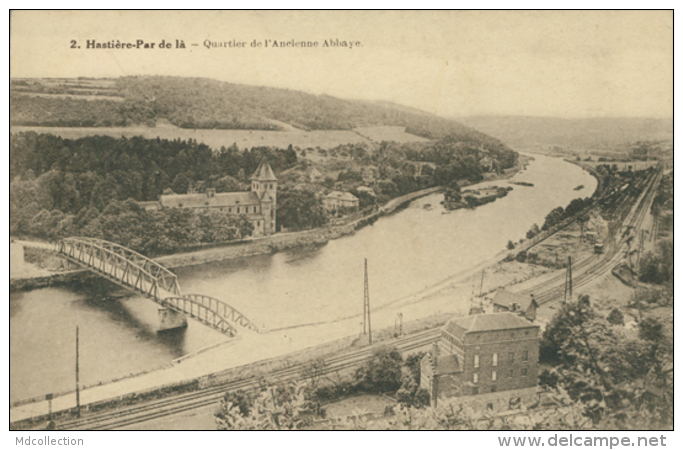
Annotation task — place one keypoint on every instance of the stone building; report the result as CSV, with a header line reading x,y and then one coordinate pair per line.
x,y
336,200
259,204
483,354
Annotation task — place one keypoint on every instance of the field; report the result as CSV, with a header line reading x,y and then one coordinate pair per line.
x,y
243,138
213,138
396,134
81,96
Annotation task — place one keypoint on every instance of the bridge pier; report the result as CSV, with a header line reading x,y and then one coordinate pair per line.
x,y
171,320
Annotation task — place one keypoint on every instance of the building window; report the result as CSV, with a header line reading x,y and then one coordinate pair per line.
x,y
494,388
494,376
511,357
475,378
495,359
511,373
524,372
475,390
229,209
525,355
476,361
238,210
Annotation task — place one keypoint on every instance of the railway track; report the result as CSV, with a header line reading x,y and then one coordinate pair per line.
x,y
587,271
212,396
594,267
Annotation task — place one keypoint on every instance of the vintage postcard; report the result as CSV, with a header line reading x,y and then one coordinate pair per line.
x,y
341,220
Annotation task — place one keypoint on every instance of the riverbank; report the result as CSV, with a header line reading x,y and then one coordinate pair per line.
x,y
406,245
252,247
284,241
315,237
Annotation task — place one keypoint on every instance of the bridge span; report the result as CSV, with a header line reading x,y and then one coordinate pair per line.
x,y
141,275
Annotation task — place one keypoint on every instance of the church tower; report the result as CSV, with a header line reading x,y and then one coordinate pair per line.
x,y
264,185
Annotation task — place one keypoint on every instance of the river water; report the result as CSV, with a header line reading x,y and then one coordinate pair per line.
x,y
407,252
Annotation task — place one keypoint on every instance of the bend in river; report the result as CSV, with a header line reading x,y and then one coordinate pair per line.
x,y
407,252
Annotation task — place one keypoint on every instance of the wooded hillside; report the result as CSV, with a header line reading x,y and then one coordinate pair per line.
x,y
205,103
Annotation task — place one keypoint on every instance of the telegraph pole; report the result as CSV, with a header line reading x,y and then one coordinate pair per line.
x,y
400,324
568,280
481,287
78,394
367,328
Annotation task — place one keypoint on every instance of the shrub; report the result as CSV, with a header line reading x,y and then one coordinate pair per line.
x,y
615,317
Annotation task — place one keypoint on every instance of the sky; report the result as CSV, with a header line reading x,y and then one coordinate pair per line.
x,y
452,63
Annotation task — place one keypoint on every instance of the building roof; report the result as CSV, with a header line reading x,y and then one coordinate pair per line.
x,y
506,298
367,189
460,326
150,205
226,199
339,195
264,172
447,364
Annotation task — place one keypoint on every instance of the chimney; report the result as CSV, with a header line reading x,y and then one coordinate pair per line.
x,y
435,351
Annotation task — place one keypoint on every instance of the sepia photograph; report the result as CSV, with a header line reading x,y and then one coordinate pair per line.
x,y
342,220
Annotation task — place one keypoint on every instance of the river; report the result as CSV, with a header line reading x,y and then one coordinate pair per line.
x,y
407,252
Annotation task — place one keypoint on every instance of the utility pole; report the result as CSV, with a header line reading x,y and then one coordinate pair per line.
x,y
640,247
400,324
568,280
367,327
481,287
78,394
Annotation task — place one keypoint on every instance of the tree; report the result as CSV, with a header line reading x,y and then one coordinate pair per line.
x,y
290,158
410,393
558,330
650,329
615,317
314,371
510,245
533,231
299,209
657,267
382,372
180,184
582,219
241,399
217,226
274,408
553,218
521,256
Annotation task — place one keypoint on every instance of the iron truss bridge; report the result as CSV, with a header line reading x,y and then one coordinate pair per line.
x,y
141,275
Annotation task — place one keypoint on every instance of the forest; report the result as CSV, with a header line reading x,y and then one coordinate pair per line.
x,y
91,186
205,103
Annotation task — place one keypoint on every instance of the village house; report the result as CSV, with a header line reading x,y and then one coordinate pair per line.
x,y
337,200
367,190
314,175
495,355
504,301
259,204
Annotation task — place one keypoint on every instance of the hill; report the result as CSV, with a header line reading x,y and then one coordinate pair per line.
x,y
199,103
610,133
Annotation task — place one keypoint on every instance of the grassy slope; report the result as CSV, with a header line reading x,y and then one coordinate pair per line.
x,y
198,103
